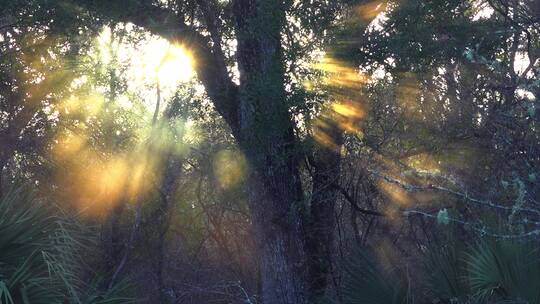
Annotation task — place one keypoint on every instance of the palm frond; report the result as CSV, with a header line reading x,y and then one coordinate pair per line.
x,y
505,270
367,283
445,267
43,251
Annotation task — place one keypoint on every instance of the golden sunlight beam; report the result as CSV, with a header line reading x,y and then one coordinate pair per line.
x,y
346,109
229,168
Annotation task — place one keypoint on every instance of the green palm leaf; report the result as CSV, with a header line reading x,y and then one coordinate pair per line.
x,y
506,270
41,255
366,283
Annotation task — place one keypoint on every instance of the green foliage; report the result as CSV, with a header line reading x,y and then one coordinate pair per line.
x,y
444,265
42,255
25,227
423,34
114,295
366,283
490,271
507,270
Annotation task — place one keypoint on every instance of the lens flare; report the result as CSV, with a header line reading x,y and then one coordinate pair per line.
x,y
229,168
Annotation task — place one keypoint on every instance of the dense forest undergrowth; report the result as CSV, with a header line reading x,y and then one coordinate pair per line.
x,y
269,151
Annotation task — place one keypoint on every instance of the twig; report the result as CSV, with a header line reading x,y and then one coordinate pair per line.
x,y
483,230
465,196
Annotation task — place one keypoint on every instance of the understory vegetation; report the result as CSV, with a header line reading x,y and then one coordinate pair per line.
x,y
45,254
489,271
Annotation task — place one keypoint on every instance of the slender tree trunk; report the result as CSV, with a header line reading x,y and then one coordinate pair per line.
x,y
2,165
5,155
326,163
161,218
112,239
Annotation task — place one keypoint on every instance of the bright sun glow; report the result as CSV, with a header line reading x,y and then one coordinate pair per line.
x,y
171,63
152,60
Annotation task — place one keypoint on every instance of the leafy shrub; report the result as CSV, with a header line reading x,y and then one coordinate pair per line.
x,y
366,283
488,271
448,278
504,270
41,254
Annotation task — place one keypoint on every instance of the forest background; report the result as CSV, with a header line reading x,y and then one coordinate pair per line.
x,y
269,151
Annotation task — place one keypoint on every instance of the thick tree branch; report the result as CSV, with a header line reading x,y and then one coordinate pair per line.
x,y
354,204
209,62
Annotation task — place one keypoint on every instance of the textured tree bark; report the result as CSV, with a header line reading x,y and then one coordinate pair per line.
x,y
326,162
277,226
112,240
2,165
8,150
161,218
266,136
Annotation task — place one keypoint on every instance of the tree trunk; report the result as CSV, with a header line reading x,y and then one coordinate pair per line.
x,y
275,199
8,151
267,139
326,162
112,240
160,219
2,165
